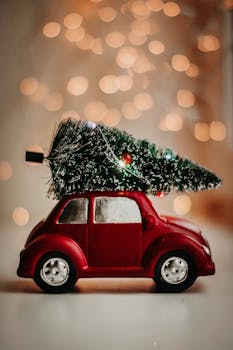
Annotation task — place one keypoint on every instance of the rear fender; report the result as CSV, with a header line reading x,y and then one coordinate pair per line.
x,y
168,243
45,243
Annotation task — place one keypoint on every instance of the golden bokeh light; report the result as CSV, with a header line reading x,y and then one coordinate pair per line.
x,y
155,5
217,131
180,63
182,204
75,35
126,57
156,47
51,29
97,46
107,14
108,84
143,65
72,21
171,9
53,102
143,101
185,98
86,43
228,4
5,171
192,71
208,43
130,111
28,86
136,39
20,216
141,28
202,131
96,1
95,111
34,148
40,93
70,114
115,39
112,117
124,82
77,85
140,9
171,122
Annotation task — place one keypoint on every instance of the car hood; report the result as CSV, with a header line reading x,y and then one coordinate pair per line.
x,y
182,223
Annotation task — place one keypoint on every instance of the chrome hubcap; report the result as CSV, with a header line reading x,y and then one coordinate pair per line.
x,y
55,271
174,270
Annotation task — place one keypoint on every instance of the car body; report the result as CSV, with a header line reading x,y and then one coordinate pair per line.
x,y
113,234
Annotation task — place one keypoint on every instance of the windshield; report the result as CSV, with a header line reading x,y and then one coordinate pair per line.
x,y
154,203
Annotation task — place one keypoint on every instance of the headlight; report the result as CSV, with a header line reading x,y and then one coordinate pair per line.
x,y
207,250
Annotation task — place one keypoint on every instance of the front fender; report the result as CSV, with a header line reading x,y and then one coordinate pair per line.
x,y
167,243
45,243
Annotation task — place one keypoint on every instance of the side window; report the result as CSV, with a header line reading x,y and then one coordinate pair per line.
x,y
75,212
116,210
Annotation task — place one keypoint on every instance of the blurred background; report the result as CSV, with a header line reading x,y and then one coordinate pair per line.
x,y
161,70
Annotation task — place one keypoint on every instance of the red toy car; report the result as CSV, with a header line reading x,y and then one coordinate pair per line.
x,y
113,234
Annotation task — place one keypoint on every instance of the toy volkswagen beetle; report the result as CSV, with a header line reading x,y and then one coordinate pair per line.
x,y
113,234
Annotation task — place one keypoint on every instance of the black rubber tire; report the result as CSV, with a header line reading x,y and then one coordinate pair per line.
x,y
164,286
67,286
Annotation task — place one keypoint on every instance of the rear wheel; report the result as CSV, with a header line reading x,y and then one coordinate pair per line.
x,y
55,273
174,272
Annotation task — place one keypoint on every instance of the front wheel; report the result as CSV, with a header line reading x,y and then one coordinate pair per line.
x,y
174,272
55,273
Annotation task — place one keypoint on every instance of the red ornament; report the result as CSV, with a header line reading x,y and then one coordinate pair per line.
x,y
160,194
127,158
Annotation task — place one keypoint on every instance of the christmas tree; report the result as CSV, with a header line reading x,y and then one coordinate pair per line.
x,y
85,156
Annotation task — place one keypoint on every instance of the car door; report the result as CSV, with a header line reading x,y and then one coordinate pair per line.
x,y
115,236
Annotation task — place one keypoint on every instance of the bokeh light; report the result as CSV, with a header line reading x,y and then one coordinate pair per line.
x,y
185,98
28,86
156,47
202,131
20,216
95,111
141,28
86,43
171,9
70,114
112,117
108,84
51,29
53,102
143,65
130,111
140,9
171,122
192,71
217,130
5,171
107,14
72,20
180,63
155,5
136,39
75,35
97,46
207,43
182,204
77,85
115,39
124,82
143,101
126,57
40,93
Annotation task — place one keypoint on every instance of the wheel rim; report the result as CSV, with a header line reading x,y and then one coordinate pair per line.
x,y
55,271
174,270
